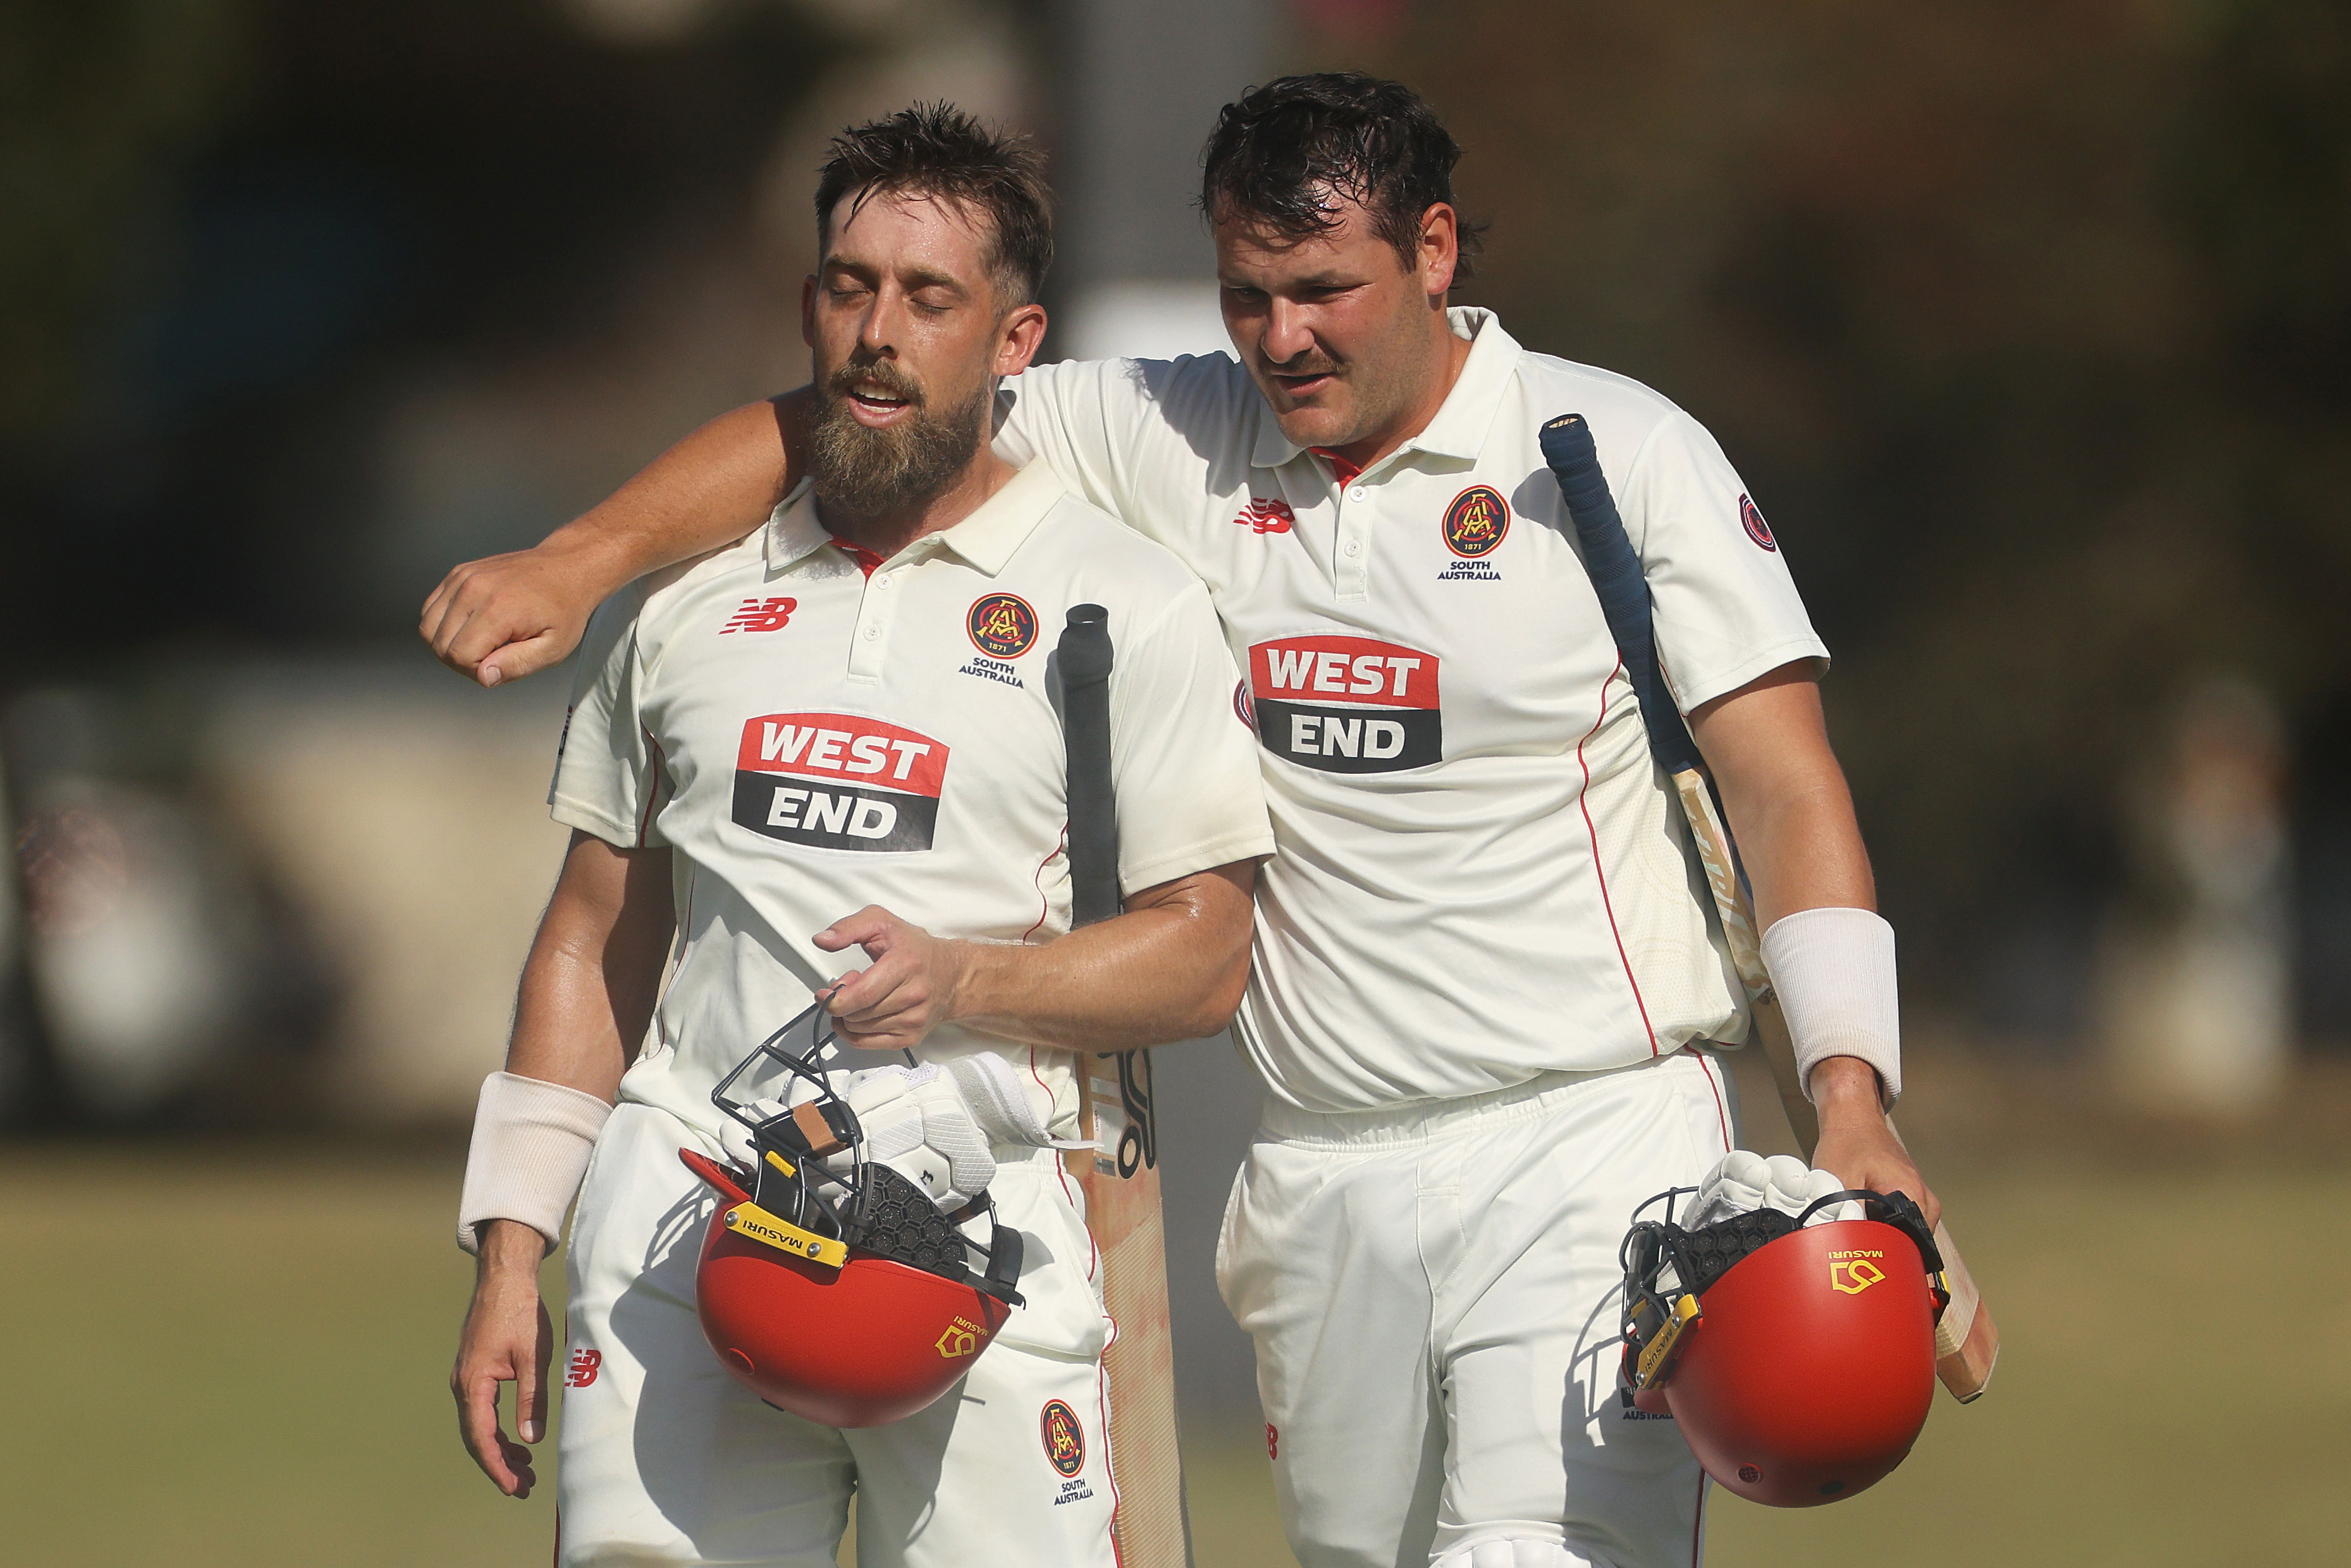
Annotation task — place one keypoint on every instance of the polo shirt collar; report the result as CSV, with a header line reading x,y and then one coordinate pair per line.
x,y
1460,429
987,539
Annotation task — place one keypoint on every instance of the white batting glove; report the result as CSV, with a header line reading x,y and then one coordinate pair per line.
x,y
1743,1181
934,1123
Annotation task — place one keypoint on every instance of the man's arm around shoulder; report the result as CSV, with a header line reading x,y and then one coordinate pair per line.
x,y
507,616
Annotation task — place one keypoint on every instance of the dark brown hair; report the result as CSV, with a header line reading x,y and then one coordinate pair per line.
x,y
936,149
1279,153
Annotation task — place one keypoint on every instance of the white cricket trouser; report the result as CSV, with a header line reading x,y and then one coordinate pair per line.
x,y
1434,1291
666,1458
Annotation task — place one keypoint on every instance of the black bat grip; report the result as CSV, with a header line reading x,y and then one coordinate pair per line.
x,y
1617,578
1085,655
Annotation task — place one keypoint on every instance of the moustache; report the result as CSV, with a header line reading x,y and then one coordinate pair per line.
x,y
881,376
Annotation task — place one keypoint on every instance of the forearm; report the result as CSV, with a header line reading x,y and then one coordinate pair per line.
x,y
586,997
1801,846
1792,815
715,485
594,971
1171,970
578,1018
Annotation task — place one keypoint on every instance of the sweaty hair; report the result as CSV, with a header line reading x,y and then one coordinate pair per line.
x,y
1278,155
936,149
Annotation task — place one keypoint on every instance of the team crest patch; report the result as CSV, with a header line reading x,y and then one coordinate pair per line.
x,y
1757,528
1002,625
1065,1440
1475,521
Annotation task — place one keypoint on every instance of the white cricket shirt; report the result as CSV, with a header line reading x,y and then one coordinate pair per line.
x,y
812,729
1482,876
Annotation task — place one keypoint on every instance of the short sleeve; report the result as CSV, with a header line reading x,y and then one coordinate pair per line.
x,y
608,778
1084,419
1726,609
1190,795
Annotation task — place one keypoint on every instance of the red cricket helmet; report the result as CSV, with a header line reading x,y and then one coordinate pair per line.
x,y
1798,1360
844,1298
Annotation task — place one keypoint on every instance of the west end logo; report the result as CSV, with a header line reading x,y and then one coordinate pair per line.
x,y
1065,1440
1339,704
1475,521
838,782
1001,625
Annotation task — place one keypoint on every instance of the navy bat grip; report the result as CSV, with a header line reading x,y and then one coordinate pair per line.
x,y
1618,578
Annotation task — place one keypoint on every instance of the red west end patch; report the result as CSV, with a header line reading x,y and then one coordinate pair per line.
x,y
1346,704
838,782
1002,626
1476,521
1065,1440
1757,528
1267,516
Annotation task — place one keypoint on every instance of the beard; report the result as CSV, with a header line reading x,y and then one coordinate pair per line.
x,y
867,473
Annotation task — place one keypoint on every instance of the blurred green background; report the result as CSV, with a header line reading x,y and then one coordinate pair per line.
x,y
236,1354
2029,326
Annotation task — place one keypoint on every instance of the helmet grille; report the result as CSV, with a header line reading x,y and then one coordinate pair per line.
x,y
904,1226
1706,1254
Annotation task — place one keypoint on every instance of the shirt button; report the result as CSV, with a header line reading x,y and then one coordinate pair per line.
x,y
1357,493
1354,548
872,632
883,581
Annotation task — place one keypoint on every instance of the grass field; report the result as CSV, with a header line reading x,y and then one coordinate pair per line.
x,y
230,1355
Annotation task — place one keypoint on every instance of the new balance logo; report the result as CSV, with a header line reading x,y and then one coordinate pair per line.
x,y
761,615
584,1366
1266,516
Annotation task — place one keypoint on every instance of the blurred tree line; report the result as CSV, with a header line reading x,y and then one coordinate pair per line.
x,y
2028,323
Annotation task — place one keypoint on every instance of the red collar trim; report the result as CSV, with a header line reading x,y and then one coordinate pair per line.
x,y
1341,469
865,558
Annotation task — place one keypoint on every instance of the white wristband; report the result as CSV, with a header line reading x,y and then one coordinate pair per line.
x,y
531,1140
1834,972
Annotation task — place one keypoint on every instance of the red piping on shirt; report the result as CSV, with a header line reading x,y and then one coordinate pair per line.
x,y
653,795
1044,904
1721,1116
1101,1414
1583,804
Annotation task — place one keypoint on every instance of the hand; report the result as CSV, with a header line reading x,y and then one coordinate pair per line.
x,y
911,987
1858,1143
507,1338
508,616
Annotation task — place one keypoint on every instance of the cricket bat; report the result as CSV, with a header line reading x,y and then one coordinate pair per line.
x,y
1967,1342
1150,1525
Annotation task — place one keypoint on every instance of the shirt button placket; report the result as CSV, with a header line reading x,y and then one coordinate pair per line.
x,y
1353,575
872,629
